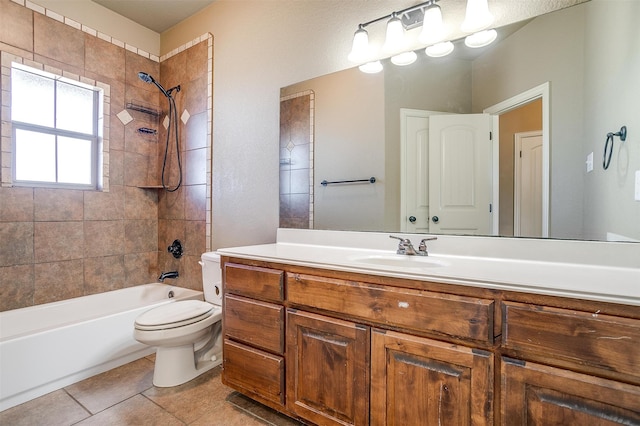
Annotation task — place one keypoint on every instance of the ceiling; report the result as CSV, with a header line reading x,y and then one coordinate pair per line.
x,y
160,15
157,15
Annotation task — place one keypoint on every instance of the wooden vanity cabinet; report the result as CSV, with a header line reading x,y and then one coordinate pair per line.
x,y
338,348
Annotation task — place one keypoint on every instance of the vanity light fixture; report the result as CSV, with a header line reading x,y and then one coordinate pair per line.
x,y
433,35
425,14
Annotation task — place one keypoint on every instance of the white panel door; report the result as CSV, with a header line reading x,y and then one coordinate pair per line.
x,y
460,174
527,209
415,171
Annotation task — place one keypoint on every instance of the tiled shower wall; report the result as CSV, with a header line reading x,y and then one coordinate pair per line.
x,y
296,160
55,243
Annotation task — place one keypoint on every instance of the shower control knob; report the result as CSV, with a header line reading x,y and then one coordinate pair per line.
x,y
412,219
175,249
435,219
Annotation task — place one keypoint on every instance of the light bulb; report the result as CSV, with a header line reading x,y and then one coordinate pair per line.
x,y
432,27
481,39
477,16
394,40
405,58
439,50
360,47
371,67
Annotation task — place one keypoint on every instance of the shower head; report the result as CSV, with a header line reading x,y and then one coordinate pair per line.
x,y
148,79
145,77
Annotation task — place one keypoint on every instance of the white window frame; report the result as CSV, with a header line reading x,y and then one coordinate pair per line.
x,y
100,144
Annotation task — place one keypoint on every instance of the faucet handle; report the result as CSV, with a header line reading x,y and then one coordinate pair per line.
x,y
422,248
404,245
402,240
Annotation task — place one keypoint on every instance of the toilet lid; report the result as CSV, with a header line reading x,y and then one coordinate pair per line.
x,y
175,314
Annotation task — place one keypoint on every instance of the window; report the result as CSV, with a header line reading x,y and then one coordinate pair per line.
x,y
55,130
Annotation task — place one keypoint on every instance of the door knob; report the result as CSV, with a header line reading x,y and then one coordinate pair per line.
x,y
412,219
435,219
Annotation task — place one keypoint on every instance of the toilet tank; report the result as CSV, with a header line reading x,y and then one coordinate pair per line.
x,y
211,278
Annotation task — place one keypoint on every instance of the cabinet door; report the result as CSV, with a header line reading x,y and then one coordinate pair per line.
x,y
327,378
535,394
418,381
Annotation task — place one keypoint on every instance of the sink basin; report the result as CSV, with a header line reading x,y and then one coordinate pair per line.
x,y
400,261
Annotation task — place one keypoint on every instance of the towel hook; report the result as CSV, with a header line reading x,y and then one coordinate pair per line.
x,y
608,146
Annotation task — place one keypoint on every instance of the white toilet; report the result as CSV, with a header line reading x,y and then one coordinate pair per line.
x,y
187,333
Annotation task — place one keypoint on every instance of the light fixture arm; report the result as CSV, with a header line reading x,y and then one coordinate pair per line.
x,y
401,13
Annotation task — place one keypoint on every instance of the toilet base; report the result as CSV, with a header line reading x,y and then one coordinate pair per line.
x,y
177,365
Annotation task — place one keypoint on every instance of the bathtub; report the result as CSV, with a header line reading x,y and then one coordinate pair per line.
x,y
49,346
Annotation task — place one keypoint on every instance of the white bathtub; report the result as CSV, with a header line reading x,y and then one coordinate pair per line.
x,y
49,346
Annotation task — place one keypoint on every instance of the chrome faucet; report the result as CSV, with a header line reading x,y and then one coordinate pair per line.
x,y
422,248
165,275
406,247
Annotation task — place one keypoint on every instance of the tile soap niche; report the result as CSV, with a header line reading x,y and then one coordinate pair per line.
x,y
138,106
146,131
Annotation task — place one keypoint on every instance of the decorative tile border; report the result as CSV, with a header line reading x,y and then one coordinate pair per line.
x,y
209,175
105,37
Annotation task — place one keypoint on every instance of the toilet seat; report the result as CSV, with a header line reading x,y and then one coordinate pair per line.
x,y
174,315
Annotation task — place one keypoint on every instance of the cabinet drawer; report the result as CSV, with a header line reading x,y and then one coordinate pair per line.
x,y
458,316
252,281
253,371
536,394
587,338
259,324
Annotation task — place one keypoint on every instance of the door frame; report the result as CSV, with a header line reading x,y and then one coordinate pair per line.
x,y
538,92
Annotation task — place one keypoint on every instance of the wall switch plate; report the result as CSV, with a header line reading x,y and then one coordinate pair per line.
x,y
637,185
589,162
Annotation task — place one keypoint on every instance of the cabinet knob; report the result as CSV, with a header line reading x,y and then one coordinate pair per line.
x,y
412,219
435,219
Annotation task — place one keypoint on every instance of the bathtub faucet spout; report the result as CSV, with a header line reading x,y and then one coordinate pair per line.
x,y
170,274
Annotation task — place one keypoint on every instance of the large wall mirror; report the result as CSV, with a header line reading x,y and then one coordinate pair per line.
x,y
552,88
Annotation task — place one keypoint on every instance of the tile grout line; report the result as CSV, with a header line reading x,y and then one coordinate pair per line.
x,y
80,404
160,406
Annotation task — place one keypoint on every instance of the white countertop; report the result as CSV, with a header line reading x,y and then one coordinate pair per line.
x,y
544,270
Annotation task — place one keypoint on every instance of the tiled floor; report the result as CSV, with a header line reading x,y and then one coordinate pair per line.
x,y
126,396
